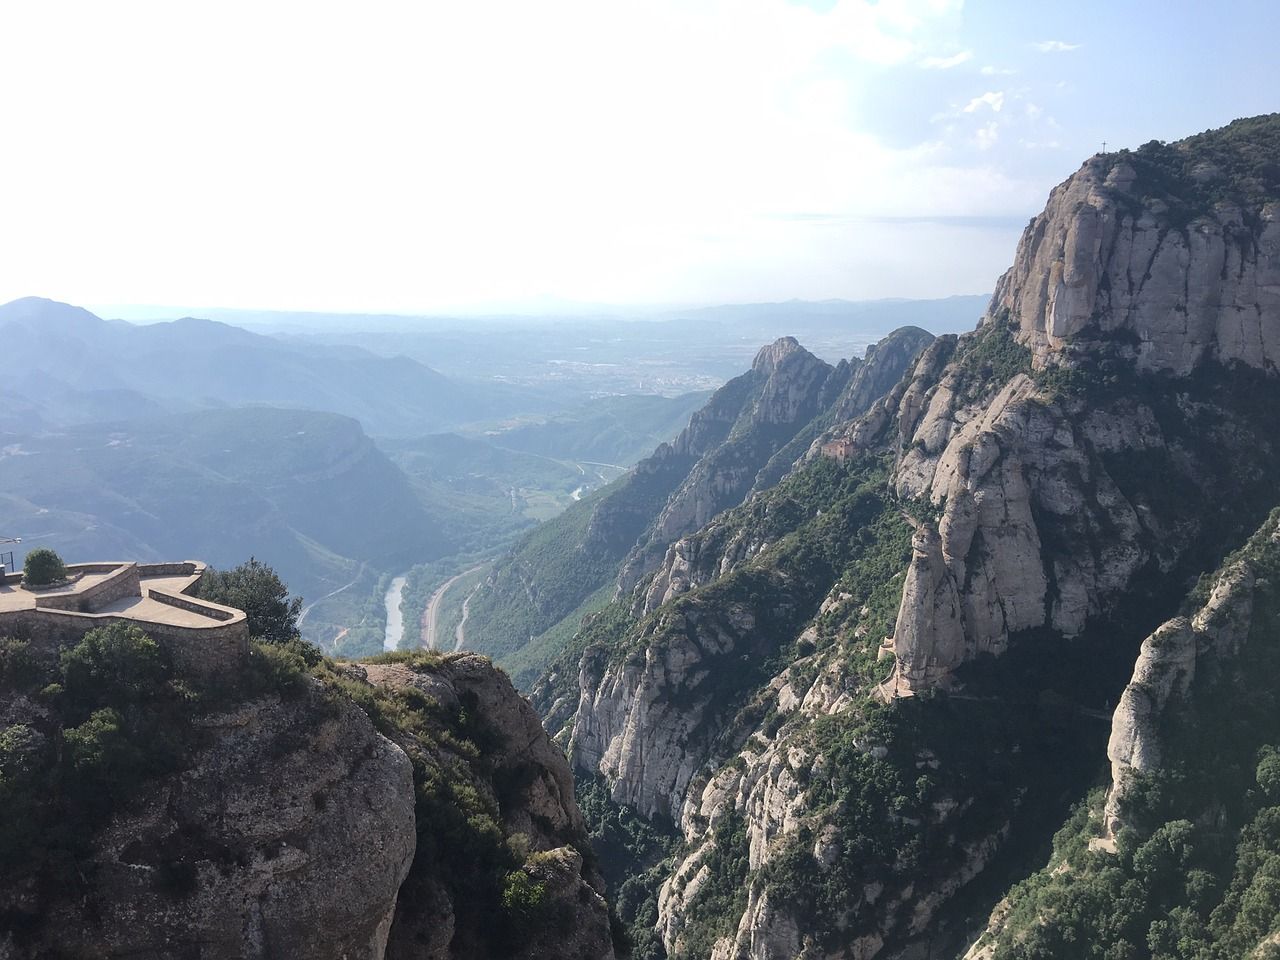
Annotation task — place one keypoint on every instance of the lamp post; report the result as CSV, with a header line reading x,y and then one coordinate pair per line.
x,y
6,559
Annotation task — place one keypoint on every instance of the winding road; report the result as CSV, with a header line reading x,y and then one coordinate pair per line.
x,y
332,593
431,615
459,634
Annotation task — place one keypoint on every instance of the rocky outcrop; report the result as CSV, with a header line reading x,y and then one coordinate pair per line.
x,y
1034,530
1065,466
1005,476
1186,739
1103,267
881,369
523,778
645,721
271,818
1163,675
287,835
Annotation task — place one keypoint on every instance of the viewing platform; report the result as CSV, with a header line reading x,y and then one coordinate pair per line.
x,y
156,597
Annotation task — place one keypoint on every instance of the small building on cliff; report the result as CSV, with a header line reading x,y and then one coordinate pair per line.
x,y
200,636
838,450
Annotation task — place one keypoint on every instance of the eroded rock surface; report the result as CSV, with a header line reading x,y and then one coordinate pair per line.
x,y
288,835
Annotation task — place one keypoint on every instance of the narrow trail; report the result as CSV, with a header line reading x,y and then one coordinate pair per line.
x,y
332,593
459,634
431,615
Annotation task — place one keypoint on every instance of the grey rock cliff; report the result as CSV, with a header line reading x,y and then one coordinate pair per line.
x,y
1164,672
296,821
1102,264
1088,445
785,384
1100,277
524,777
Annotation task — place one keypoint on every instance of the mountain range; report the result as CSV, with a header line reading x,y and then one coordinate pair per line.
x,y
66,366
966,648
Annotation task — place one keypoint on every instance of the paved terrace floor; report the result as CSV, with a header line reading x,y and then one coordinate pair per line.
x,y
143,607
12,597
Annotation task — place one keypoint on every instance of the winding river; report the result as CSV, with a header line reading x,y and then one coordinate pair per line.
x,y
395,619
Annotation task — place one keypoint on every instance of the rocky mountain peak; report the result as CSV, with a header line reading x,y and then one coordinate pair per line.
x,y
770,357
1165,256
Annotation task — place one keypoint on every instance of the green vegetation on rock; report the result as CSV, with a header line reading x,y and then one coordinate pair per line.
x,y
1236,163
1196,873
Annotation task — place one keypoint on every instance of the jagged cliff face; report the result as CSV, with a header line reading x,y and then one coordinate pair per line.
x,y
412,809
1103,279
743,440
1050,481
785,391
521,780
286,835
1101,268
1179,853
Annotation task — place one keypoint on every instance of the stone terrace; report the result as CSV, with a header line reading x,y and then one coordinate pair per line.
x,y
200,635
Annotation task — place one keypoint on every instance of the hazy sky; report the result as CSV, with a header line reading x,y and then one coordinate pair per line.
x,y
426,156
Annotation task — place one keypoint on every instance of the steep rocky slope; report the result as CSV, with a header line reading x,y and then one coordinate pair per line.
x,y
744,438
861,694
1180,854
410,808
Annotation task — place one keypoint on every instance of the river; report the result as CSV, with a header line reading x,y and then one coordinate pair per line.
x,y
395,619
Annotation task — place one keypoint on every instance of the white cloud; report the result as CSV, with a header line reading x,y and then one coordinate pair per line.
x,y
992,98
990,71
414,156
946,63
986,136
1055,46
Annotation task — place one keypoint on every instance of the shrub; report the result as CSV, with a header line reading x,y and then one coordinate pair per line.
x,y
116,664
43,567
258,590
18,669
1268,773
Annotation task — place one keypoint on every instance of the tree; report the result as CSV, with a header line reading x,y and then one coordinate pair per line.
x,y
113,665
258,590
43,567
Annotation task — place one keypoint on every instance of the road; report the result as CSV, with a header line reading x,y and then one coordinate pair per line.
x,y
459,634
431,615
332,593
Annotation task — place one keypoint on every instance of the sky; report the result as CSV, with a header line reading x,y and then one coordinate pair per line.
x,y
420,157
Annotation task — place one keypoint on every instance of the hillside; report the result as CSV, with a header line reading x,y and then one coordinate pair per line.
x,y
307,493
1179,855
622,531
66,367
282,806
864,696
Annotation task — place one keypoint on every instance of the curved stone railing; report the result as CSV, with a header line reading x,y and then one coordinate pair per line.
x,y
206,608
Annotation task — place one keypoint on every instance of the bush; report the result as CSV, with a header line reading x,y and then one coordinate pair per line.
x,y
258,590
116,664
43,567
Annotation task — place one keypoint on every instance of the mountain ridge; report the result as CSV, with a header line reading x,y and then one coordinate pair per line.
x,y
1056,487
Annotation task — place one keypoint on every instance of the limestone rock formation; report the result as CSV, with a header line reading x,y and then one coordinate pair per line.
x,y
786,387
270,817
1102,281
521,776
1164,672
1105,434
1101,266
287,835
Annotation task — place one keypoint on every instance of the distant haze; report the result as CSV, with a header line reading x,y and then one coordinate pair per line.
x,y
426,156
